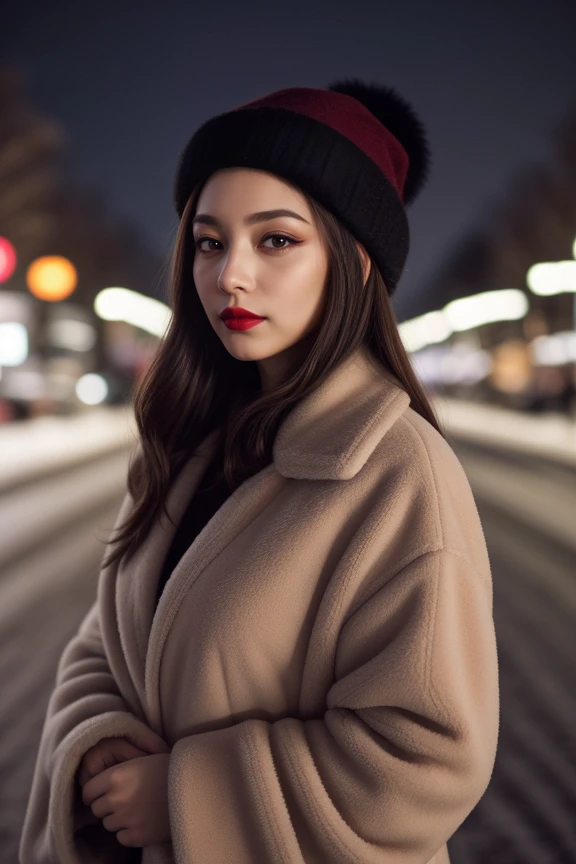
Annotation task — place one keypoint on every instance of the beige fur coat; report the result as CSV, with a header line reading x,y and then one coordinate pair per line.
x,y
322,663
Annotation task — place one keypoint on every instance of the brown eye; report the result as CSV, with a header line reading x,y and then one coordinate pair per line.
x,y
290,242
201,240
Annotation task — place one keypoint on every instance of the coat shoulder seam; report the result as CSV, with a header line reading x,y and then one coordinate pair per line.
x,y
420,438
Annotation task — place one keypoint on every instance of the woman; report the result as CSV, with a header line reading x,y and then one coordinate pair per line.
x,y
292,655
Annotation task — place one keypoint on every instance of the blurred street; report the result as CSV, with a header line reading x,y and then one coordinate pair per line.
x,y
52,512
527,814
50,553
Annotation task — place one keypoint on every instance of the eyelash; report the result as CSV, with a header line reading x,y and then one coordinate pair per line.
x,y
292,242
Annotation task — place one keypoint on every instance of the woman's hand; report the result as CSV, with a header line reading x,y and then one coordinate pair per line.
x,y
132,800
106,753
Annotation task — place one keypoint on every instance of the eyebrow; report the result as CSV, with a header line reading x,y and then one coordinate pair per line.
x,y
252,219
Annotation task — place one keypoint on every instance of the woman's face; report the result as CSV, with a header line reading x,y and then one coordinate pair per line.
x,y
242,263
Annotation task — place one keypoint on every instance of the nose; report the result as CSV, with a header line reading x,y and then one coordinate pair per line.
x,y
235,272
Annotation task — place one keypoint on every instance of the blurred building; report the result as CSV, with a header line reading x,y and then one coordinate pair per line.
x,y
524,358
47,345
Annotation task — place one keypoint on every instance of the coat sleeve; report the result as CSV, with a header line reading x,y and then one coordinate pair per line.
x,y
404,751
84,707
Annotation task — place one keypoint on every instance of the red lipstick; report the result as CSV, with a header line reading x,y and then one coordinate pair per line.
x,y
242,323
237,318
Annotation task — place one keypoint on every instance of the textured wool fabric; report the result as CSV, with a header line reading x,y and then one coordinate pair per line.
x,y
322,663
350,118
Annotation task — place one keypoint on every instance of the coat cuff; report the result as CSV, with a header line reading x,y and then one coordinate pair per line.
x,y
217,800
78,837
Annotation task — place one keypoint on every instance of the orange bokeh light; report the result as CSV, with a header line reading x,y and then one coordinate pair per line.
x,y
51,278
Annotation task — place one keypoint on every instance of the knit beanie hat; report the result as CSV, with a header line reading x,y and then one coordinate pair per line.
x,y
358,149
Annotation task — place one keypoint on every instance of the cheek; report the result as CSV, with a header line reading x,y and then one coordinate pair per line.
x,y
305,284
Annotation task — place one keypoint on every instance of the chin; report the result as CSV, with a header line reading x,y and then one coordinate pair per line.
x,y
246,352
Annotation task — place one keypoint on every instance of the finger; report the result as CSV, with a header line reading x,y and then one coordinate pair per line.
x,y
127,837
157,747
111,751
114,822
83,774
126,750
89,767
102,807
105,754
94,761
95,787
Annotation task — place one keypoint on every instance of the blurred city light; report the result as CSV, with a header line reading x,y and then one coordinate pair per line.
x,y
51,278
554,350
122,304
13,343
24,384
7,259
91,389
465,364
462,363
16,306
552,277
425,330
467,313
71,334
511,366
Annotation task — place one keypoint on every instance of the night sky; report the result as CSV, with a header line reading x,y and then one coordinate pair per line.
x,y
130,82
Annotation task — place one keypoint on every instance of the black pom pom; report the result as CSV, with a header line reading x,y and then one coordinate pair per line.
x,y
398,116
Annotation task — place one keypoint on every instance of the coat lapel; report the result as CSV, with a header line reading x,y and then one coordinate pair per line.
x,y
329,435
136,582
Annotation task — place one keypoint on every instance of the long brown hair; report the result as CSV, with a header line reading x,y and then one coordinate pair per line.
x,y
193,385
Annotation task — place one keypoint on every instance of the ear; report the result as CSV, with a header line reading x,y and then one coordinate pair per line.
x,y
365,260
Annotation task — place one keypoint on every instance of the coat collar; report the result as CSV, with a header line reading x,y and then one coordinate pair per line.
x,y
331,433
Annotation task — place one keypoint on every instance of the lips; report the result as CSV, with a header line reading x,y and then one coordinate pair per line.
x,y
243,323
237,312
